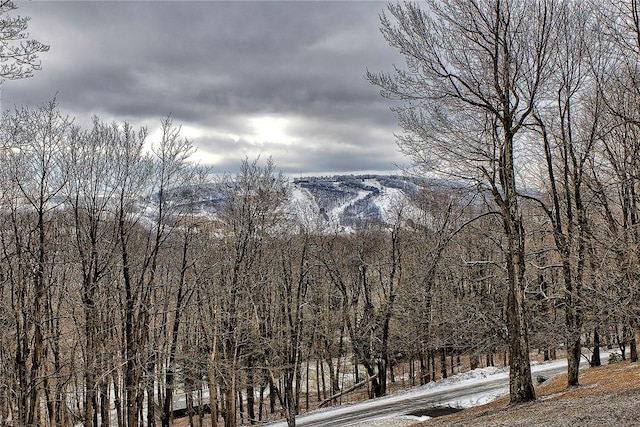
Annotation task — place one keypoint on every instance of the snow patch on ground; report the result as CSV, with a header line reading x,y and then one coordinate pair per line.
x,y
476,374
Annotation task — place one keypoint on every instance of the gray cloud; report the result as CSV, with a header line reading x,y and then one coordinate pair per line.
x,y
221,67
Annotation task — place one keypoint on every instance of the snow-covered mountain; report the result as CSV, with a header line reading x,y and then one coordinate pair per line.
x,y
346,201
332,203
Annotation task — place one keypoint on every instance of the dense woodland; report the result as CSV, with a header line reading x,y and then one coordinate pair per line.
x,y
118,294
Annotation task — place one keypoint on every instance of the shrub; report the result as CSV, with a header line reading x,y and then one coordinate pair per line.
x,y
615,357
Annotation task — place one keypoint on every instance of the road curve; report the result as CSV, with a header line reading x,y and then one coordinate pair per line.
x,y
420,400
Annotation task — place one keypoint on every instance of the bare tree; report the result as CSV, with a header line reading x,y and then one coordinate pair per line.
x,y
475,71
569,127
91,197
145,219
178,284
18,54
280,314
32,145
620,145
251,212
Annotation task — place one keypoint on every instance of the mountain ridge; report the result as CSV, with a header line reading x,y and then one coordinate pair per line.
x,y
339,203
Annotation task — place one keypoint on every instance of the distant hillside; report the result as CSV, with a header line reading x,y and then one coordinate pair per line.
x,y
337,203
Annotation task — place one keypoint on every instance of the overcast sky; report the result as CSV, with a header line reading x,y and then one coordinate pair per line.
x,y
280,79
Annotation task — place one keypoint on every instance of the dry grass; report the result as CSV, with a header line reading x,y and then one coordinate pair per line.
x,y
608,395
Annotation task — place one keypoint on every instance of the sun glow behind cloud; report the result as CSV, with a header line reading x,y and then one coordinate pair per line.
x,y
252,137
269,130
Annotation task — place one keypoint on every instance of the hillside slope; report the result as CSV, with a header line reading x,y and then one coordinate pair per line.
x,y
344,202
608,396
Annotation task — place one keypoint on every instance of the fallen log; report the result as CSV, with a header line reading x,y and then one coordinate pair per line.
x,y
343,392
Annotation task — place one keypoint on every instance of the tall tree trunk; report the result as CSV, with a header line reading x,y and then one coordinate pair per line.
x,y
251,414
289,397
443,362
104,403
574,342
382,376
474,361
595,357
520,381
633,350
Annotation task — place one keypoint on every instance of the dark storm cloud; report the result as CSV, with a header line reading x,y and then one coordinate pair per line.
x,y
216,65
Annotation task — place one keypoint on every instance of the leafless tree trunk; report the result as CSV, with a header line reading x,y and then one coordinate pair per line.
x,y
475,70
